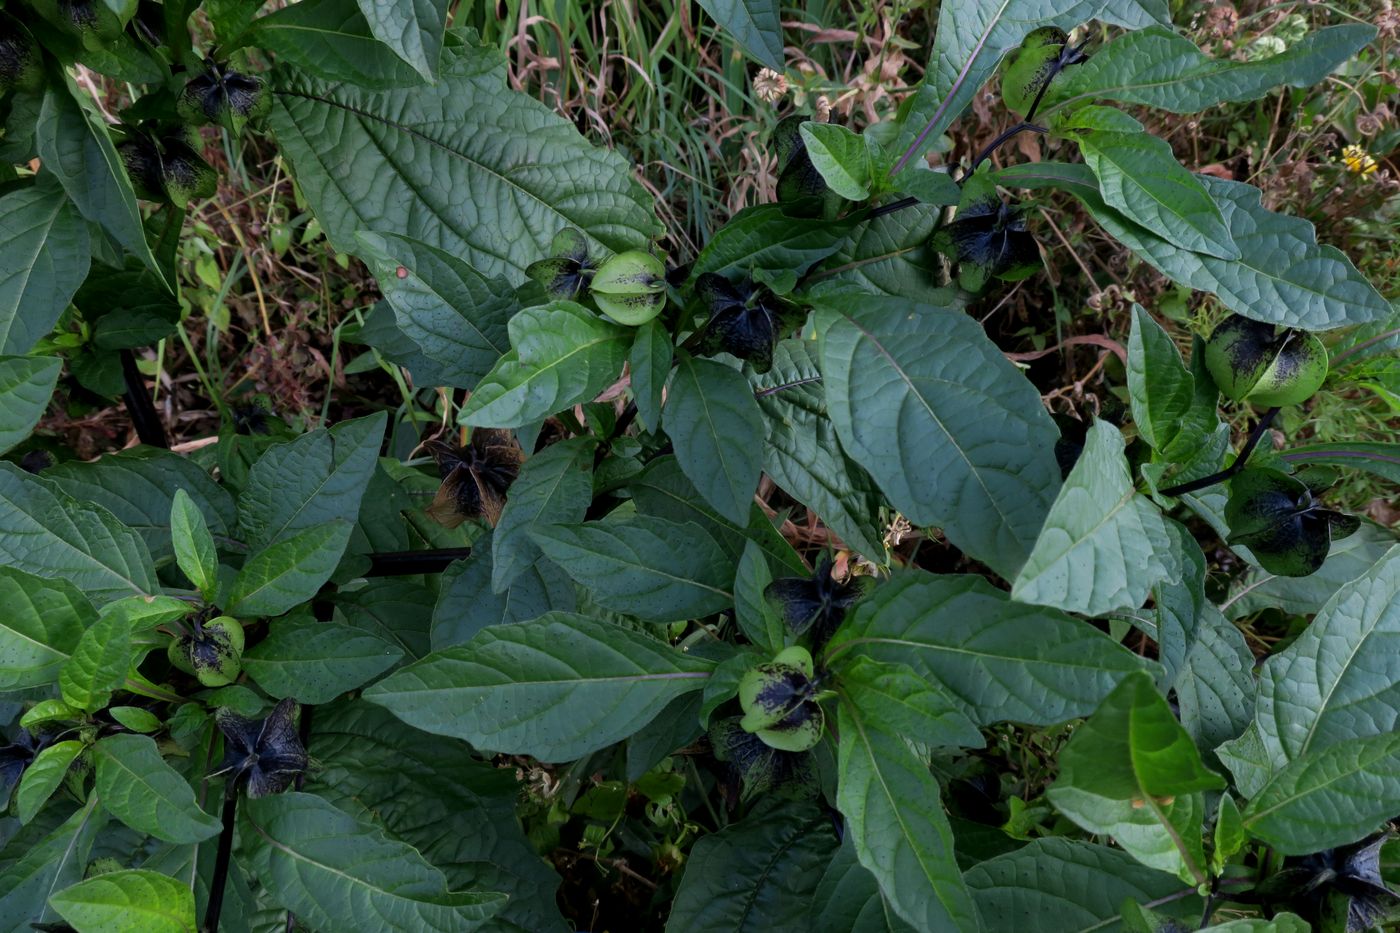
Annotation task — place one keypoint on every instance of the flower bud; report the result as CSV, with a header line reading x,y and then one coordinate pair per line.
x,y
224,97
212,652
1031,68
630,287
778,702
1264,364
19,57
569,267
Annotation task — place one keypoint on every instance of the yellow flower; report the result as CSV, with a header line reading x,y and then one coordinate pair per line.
x,y
1358,160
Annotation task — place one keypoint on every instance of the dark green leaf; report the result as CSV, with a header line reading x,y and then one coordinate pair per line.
x,y
555,486
128,900
282,575
716,426
317,661
412,28
45,259
138,787
41,624
755,24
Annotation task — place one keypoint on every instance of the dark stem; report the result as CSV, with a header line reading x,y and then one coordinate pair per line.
x,y
1003,136
404,563
138,404
221,861
1232,469
890,208
624,421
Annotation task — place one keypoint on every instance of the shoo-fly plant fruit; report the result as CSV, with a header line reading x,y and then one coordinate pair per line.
x,y
475,477
211,650
988,239
94,22
743,320
569,267
758,767
1267,365
815,605
263,755
224,97
19,57
166,168
630,287
1339,889
1033,67
1276,516
779,702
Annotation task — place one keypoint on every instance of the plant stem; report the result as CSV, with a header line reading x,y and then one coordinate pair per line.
x,y
221,862
404,563
1232,469
1003,136
138,404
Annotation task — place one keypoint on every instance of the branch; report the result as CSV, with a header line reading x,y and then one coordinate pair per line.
x,y
1232,469
138,403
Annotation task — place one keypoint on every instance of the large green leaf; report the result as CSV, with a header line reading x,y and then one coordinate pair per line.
x,y
289,572
894,811
412,28
763,238
46,533
1215,685
43,776
315,662
803,454
755,24
952,432
42,621
138,787
848,899
319,477
1003,660
1339,681
716,427
1139,175
755,875
1057,885
555,486
482,172
654,569
45,259
138,487
334,871
562,354
1163,69
1329,797
455,315
1283,276
74,145
127,902
893,698
332,40
1169,411
555,688
466,604
888,255
1101,546
100,661
26,383
54,857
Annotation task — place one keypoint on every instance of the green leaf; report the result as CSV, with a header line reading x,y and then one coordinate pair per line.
x,y
756,874
315,662
46,258
848,900
43,776
555,688
466,603
138,487
46,533
755,24
1139,175
952,432
563,354
716,426
893,698
398,161
1162,391
1283,276
25,386
841,157
455,315
762,238
894,811
890,255
803,454
1101,545
1328,797
1071,887
195,552
930,187
555,486
752,610
317,478
1339,681
138,787
42,623
48,860
654,569
74,145
136,719
412,28
1002,660
1379,459
332,40
131,901
1215,685
100,661
649,362
1162,69
334,871
283,575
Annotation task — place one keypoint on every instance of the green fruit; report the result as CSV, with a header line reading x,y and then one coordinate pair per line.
x,y
777,700
213,652
20,65
94,22
1264,364
168,169
630,287
223,97
178,653
1031,67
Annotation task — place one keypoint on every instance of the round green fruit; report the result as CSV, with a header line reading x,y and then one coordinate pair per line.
x,y
1264,364
213,652
630,287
